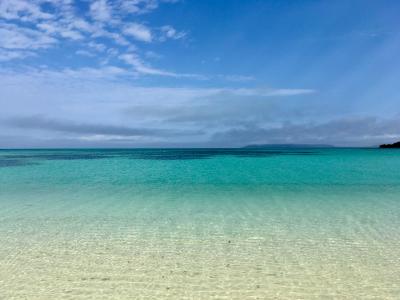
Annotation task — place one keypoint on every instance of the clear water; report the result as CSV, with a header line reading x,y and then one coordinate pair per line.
x,y
200,224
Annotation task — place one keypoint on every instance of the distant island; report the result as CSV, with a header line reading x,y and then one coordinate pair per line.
x,y
394,145
289,146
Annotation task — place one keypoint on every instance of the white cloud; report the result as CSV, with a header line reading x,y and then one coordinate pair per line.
x,y
133,60
48,27
26,28
348,131
6,55
22,10
97,46
130,6
82,25
71,34
68,75
118,38
14,37
139,32
100,10
137,6
86,74
85,53
169,32
62,30
142,68
235,78
109,92
272,92
112,52
63,23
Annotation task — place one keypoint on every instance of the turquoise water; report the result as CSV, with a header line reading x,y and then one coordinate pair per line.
x,y
200,224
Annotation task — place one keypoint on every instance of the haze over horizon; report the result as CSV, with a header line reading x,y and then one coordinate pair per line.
x,y
162,73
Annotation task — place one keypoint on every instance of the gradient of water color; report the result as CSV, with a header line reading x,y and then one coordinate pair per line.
x,y
200,224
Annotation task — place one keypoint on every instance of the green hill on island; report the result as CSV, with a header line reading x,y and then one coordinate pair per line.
x,y
394,145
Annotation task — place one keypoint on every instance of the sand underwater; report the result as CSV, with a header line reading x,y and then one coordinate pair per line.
x,y
200,224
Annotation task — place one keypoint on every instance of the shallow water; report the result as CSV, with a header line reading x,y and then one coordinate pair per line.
x,y
200,224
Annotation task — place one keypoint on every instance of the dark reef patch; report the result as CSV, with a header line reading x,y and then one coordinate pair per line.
x,y
4,163
36,156
189,154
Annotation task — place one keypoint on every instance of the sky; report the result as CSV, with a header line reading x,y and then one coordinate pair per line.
x,y
187,73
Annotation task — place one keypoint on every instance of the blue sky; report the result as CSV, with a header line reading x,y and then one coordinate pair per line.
x,y
170,73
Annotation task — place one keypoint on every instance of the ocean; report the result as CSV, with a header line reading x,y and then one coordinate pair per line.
x,y
276,223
